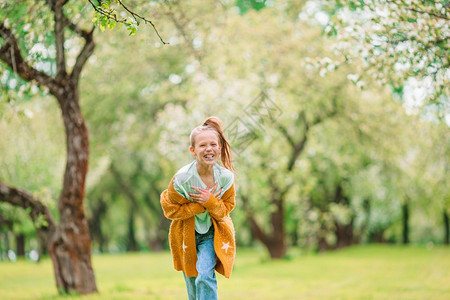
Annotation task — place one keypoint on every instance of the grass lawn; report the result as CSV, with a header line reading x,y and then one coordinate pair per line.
x,y
361,272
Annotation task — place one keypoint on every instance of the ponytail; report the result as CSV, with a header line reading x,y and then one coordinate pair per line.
x,y
214,123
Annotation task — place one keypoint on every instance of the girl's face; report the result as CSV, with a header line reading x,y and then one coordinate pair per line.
x,y
206,147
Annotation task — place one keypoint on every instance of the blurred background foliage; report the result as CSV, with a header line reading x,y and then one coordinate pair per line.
x,y
325,156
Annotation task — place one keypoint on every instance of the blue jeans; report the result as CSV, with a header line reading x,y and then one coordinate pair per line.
x,y
204,286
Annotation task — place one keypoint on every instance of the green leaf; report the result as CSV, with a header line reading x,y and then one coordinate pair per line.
x,y
112,24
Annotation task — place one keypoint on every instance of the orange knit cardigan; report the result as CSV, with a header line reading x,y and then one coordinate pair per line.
x,y
182,229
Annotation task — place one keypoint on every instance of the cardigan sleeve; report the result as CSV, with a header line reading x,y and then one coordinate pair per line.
x,y
220,208
176,207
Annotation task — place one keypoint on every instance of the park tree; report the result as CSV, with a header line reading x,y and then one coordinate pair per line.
x,y
53,25
354,198
46,45
425,179
401,43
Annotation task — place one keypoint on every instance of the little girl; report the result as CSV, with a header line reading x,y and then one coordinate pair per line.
x,y
199,200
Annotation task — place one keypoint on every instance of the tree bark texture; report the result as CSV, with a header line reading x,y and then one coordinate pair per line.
x,y
70,247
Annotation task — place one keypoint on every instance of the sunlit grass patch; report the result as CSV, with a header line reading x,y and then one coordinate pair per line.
x,y
362,272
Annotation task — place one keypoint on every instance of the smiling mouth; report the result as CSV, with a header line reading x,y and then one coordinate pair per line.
x,y
209,156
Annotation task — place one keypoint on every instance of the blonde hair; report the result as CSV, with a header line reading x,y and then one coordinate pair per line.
x,y
215,124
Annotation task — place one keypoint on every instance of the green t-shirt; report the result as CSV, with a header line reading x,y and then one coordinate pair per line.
x,y
188,176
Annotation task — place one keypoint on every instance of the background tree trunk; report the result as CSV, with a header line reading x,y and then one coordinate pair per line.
x,y
132,244
344,232
275,241
94,222
377,236
405,222
157,243
20,245
446,228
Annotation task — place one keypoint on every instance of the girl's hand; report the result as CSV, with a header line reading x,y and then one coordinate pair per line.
x,y
204,194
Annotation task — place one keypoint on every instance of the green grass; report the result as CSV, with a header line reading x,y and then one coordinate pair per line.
x,y
362,272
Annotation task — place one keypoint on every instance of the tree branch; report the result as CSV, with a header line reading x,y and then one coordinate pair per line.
x,y
183,32
441,16
10,54
285,133
81,32
407,6
61,21
124,187
298,148
59,39
84,55
99,9
25,200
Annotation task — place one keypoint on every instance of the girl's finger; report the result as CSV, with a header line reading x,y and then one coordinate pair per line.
x,y
218,193
196,189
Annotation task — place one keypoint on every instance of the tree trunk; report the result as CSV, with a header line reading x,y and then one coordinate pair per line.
x,y
344,232
446,228
275,242
42,246
6,243
367,212
2,248
277,250
159,240
294,233
20,245
377,236
95,228
70,247
405,222
131,239
277,246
